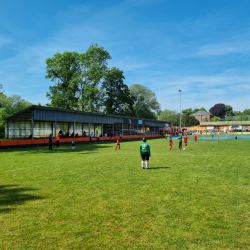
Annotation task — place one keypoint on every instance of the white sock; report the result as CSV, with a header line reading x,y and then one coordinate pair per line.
x,y
146,164
142,164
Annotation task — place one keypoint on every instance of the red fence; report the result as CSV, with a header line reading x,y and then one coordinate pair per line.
x,y
16,143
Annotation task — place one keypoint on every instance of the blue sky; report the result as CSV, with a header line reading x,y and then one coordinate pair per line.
x,y
200,47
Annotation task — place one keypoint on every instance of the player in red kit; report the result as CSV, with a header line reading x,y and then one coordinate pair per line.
x,y
195,138
185,140
170,143
118,143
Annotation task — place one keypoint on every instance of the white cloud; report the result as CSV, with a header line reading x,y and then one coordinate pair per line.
x,y
4,40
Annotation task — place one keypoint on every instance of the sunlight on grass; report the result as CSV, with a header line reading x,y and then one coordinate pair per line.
x,y
97,197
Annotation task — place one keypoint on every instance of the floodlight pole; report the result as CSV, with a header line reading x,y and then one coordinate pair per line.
x,y
180,109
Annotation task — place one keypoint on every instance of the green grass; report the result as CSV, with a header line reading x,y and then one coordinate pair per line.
x,y
99,198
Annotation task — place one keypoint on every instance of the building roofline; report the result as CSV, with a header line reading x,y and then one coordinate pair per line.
x,y
77,111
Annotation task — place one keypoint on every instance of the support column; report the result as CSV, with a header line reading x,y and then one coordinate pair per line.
x,y
74,126
32,124
143,129
82,129
154,129
55,129
8,130
89,129
122,128
102,130
113,129
137,129
130,129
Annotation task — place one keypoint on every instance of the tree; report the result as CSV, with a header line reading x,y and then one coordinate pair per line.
x,y
246,112
237,113
195,110
215,119
188,121
76,77
188,111
243,117
218,110
229,110
170,116
10,106
1,86
145,102
202,109
117,98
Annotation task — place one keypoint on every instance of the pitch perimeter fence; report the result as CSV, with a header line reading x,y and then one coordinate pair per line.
x,y
215,138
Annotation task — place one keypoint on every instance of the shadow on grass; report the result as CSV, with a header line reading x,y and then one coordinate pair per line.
x,y
158,168
11,195
64,148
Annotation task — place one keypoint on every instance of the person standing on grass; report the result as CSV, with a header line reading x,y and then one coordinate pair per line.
x,y
185,140
180,142
57,140
144,153
118,143
50,142
73,143
195,138
170,143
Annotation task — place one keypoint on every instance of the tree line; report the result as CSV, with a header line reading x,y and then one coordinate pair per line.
x,y
9,106
83,81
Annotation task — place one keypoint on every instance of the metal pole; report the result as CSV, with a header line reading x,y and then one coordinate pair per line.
x,y
180,108
74,129
55,129
32,124
8,129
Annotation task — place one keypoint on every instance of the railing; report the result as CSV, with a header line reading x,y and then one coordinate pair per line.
x,y
16,143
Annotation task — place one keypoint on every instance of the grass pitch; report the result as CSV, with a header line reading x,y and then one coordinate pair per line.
x,y
97,197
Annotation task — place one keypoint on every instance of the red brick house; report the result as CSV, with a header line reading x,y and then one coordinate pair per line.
x,y
202,116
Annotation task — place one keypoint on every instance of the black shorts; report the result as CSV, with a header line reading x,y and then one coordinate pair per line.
x,y
145,156
73,144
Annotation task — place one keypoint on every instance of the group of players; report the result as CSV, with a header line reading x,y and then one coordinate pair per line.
x,y
180,142
144,147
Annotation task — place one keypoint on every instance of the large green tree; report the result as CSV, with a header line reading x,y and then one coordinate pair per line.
x,y
246,112
243,117
117,99
170,116
145,102
76,78
190,111
188,121
9,106
229,110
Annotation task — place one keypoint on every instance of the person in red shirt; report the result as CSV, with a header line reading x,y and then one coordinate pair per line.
x,y
57,140
195,138
170,143
185,140
118,143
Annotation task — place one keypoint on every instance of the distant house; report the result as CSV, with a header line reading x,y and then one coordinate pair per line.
x,y
201,116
